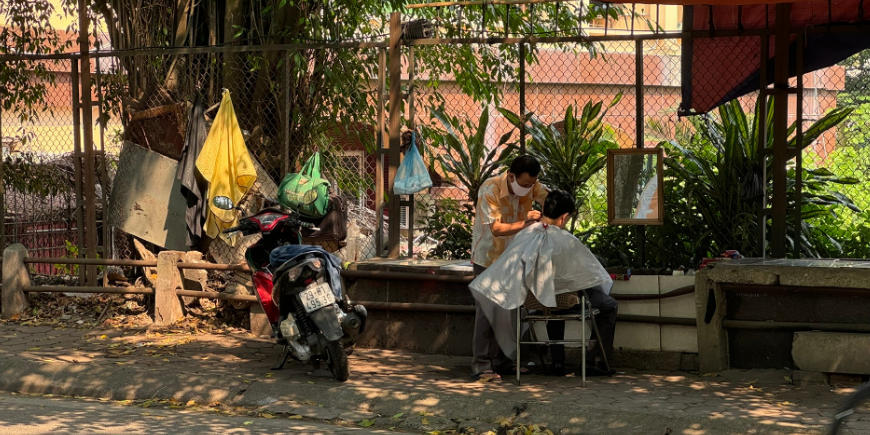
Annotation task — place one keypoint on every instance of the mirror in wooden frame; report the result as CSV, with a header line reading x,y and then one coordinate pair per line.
x,y
635,194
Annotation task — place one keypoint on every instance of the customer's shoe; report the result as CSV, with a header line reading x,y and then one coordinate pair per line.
x,y
593,370
557,369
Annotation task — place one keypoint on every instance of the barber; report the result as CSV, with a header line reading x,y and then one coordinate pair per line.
x,y
504,208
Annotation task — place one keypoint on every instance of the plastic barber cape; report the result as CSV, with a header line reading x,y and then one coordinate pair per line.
x,y
544,260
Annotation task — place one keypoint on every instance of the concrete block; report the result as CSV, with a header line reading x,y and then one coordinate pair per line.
x,y
637,336
15,278
259,321
638,285
831,352
731,274
681,306
678,338
803,378
167,304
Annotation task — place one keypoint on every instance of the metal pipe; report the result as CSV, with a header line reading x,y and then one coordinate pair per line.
x,y
91,261
480,3
655,319
468,309
215,266
221,296
377,274
682,291
71,289
789,326
403,306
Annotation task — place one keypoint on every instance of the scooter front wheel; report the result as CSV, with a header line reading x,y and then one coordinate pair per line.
x,y
338,363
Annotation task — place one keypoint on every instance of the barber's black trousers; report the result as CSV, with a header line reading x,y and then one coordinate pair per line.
x,y
605,321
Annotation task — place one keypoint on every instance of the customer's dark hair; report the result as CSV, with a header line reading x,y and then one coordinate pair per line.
x,y
558,203
525,164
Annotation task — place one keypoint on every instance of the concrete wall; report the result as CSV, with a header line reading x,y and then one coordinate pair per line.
x,y
651,337
450,333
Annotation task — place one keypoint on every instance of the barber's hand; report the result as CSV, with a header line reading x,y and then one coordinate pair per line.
x,y
533,215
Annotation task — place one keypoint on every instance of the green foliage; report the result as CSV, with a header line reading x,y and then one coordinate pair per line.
x,y
713,190
465,157
25,173
721,173
72,251
572,153
451,224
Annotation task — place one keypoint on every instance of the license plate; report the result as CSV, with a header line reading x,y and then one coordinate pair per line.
x,y
316,297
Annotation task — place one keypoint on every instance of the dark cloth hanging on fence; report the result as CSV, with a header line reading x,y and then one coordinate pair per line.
x,y
193,186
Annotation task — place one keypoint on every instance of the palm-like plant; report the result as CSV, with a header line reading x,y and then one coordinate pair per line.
x,y
466,158
718,167
572,152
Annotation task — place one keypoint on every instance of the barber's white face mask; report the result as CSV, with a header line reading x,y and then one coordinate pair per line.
x,y
519,190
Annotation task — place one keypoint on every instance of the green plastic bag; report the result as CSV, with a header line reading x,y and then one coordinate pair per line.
x,y
305,192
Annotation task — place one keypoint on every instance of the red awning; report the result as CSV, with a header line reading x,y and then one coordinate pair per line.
x,y
720,68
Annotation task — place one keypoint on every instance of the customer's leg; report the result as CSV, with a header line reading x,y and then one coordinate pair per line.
x,y
605,320
555,332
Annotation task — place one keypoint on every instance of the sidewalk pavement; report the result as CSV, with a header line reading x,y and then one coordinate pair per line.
x,y
432,392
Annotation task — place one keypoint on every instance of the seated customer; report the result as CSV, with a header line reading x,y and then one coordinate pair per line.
x,y
546,261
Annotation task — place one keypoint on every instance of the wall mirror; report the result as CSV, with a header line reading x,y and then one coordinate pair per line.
x,y
635,186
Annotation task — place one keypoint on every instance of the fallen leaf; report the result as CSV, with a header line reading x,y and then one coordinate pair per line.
x,y
103,337
398,416
424,421
434,432
295,417
267,415
248,422
710,375
366,423
34,348
269,375
190,403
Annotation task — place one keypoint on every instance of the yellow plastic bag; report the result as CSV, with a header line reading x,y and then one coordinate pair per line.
x,y
227,166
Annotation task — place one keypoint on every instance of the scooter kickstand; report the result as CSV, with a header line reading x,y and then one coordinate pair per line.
x,y
282,359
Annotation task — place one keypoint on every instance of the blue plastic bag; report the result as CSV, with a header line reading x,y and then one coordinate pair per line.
x,y
412,175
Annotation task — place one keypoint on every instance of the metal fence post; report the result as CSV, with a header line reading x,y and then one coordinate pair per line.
x,y
780,131
379,156
522,97
640,133
88,137
77,163
393,242
2,184
285,114
412,125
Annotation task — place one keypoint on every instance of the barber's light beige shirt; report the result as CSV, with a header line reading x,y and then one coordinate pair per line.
x,y
496,204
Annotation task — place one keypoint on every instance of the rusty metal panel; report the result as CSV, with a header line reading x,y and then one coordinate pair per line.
x,y
146,199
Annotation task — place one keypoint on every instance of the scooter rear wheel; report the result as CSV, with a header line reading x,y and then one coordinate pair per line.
x,y
338,363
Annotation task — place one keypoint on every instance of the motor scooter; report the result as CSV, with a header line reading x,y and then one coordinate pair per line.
x,y
300,289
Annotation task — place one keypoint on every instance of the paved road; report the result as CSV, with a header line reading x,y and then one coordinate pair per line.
x,y
31,415
431,392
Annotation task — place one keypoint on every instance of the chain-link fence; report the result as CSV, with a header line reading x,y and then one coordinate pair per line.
x,y
145,99
38,145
